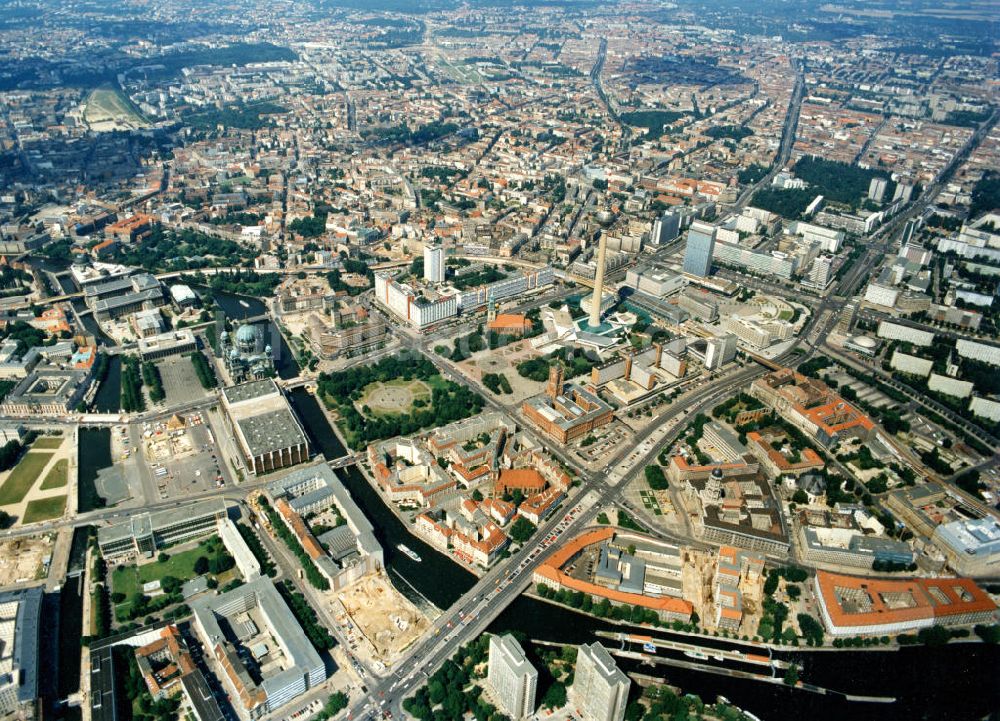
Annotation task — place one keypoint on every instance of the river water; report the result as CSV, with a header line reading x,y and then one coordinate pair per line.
x,y
957,681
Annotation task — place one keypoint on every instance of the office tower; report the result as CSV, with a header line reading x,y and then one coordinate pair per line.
x,y
700,246
666,228
819,275
595,301
719,351
434,263
511,677
600,689
846,318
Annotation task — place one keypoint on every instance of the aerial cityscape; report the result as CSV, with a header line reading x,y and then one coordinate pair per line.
x,y
499,360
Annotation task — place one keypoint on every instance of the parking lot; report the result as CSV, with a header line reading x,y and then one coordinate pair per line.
x,y
182,459
609,438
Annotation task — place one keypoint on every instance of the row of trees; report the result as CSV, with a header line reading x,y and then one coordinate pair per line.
x,y
151,377
203,369
132,399
257,549
315,578
316,632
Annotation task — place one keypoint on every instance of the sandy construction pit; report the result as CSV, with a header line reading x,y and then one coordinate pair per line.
x,y
21,559
387,620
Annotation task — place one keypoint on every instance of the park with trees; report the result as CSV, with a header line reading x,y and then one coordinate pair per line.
x,y
340,391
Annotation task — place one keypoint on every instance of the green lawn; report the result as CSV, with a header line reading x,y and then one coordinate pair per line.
x,y
129,579
418,389
57,475
47,442
439,382
23,477
44,509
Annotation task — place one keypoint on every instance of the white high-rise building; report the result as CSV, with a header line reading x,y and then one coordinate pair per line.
x,y
434,263
720,350
511,677
819,274
600,689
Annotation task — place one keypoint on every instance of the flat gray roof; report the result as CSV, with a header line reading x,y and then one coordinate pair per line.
x,y
143,523
271,431
325,477
106,304
301,655
22,648
250,390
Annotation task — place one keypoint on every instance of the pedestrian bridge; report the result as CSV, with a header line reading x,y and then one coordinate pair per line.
x,y
345,461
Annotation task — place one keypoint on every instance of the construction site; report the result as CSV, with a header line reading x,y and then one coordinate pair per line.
x,y
379,622
25,559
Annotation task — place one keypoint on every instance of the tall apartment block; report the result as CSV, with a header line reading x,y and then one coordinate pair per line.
x,y
434,264
600,689
511,677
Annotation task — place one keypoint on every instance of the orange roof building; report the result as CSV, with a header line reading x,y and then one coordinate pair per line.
x,y
537,507
164,662
130,229
550,573
298,526
483,546
809,404
527,480
775,462
510,324
852,605
51,320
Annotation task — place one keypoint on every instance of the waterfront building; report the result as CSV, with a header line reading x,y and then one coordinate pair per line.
x,y
600,689
264,426
512,679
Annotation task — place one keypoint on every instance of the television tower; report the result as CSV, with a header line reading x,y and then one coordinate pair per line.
x,y
595,300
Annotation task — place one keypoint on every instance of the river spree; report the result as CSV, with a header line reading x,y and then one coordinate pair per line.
x,y
436,578
956,681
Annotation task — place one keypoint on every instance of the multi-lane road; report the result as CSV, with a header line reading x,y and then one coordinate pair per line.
x,y
476,609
